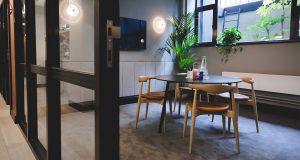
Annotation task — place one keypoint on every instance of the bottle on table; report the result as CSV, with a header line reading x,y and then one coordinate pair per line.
x,y
203,68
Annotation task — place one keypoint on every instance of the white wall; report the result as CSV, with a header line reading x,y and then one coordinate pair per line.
x,y
274,58
149,61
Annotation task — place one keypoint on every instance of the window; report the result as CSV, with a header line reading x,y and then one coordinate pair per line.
x,y
205,28
230,3
258,20
299,25
205,21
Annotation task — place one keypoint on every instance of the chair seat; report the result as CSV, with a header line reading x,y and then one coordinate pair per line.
x,y
237,96
154,95
214,107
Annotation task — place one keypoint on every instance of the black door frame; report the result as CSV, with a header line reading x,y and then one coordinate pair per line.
x,y
105,81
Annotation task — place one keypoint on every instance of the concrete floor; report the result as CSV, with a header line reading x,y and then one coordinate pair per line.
x,y
13,145
273,142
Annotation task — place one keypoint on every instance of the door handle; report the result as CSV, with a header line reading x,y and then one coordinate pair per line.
x,y
113,32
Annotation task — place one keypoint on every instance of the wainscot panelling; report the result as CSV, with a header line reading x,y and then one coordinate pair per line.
x,y
139,70
128,78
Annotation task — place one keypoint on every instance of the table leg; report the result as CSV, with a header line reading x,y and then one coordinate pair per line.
x,y
163,108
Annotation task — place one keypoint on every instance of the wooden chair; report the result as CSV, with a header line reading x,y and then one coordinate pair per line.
x,y
179,92
202,108
150,97
244,99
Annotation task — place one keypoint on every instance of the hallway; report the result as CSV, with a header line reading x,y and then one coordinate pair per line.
x,y
13,145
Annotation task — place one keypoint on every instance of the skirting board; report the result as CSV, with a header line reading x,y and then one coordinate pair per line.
x,y
83,106
128,100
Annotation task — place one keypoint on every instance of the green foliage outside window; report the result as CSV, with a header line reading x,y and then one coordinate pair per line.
x,y
266,22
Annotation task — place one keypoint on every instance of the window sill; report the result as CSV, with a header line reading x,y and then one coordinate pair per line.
x,y
210,44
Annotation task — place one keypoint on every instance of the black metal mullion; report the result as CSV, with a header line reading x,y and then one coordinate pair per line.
x,y
107,83
19,58
214,8
295,13
53,85
31,78
215,23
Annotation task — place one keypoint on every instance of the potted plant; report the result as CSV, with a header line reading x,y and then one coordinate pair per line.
x,y
227,43
181,40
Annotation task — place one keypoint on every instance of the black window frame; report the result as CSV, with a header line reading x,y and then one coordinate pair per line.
x,y
214,8
294,25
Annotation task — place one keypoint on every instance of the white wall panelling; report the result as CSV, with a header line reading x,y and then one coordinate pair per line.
x,y
150,71
128,78
121,79
139,70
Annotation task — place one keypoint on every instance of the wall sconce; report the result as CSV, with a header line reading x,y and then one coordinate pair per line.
x,y
159,25
70,11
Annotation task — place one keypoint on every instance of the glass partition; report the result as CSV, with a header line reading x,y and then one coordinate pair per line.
x,y
77,122
77,35
40,24
41,110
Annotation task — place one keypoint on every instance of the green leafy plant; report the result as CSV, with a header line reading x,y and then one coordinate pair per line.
x,y
182,39
266,25
227,43
269,6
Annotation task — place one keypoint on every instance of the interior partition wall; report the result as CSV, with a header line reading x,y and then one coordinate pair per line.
x,y
104,81
5,85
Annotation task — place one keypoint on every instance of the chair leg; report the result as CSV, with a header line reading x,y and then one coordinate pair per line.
x,y
224,125
185,122
179,107
165,122
229,124
212,118
137,114
175,101
171,112
236,133
256,117
192,131
146,113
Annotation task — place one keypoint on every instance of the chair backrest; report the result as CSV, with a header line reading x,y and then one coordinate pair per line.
x,y
213,89
248,80
143,79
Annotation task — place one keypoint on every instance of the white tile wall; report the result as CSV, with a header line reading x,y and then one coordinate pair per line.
x,y
139,70
128,78
150,71
130,71
121,80
75,93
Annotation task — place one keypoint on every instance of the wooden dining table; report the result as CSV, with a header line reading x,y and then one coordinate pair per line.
x,y
213,79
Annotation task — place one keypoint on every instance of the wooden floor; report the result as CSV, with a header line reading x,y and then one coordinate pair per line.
x,y
13,145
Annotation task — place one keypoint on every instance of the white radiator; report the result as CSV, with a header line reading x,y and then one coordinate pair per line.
x,y
270,83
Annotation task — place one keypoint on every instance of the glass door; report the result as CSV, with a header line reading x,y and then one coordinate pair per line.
x,y
71,86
